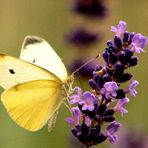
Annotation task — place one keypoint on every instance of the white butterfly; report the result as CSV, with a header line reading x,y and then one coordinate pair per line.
x,y
35,84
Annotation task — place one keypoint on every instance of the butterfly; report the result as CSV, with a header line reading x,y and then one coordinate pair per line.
x,y
35,84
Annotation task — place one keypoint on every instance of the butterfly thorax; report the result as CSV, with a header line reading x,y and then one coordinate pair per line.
x,y
67,86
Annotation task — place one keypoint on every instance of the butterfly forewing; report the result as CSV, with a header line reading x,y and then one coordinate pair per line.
x,y
14,71
37,51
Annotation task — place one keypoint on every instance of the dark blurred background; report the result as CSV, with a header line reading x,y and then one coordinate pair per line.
x,y
52,20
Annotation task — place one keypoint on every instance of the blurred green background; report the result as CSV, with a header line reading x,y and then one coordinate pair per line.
x,y
51,20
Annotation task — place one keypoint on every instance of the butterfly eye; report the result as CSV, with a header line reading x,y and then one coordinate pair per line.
x,y
11,71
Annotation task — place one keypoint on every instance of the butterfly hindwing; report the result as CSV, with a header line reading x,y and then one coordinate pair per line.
x,y
33,103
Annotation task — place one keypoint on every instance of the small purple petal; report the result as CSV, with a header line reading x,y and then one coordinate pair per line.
x,y
136,49
109,89
88,101
120,106
113,127
78,90
114,94
69,120
113,138
138,43
133,92
76,97
87,121
76,116
111,130
91,107
113,29
131,88
120,29
102,91
85,107
133,83
81,102
143,41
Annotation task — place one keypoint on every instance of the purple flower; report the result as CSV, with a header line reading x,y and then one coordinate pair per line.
x,y
92,8
120,106
76,97
88,102
76,116
120,29
87,121
131,88
138,43
111,130
96,107
83,37
109,89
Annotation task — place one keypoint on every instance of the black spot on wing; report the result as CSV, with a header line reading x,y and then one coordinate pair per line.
x,y
33,61
11,71
32,40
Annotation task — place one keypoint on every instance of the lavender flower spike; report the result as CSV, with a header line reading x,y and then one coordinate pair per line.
x,y
76,97
88,102
131,88
76,116
138,43
120,29
109,89
120,106
98,107
111,130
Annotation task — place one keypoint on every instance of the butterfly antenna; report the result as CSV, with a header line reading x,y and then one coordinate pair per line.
x,y
89,61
